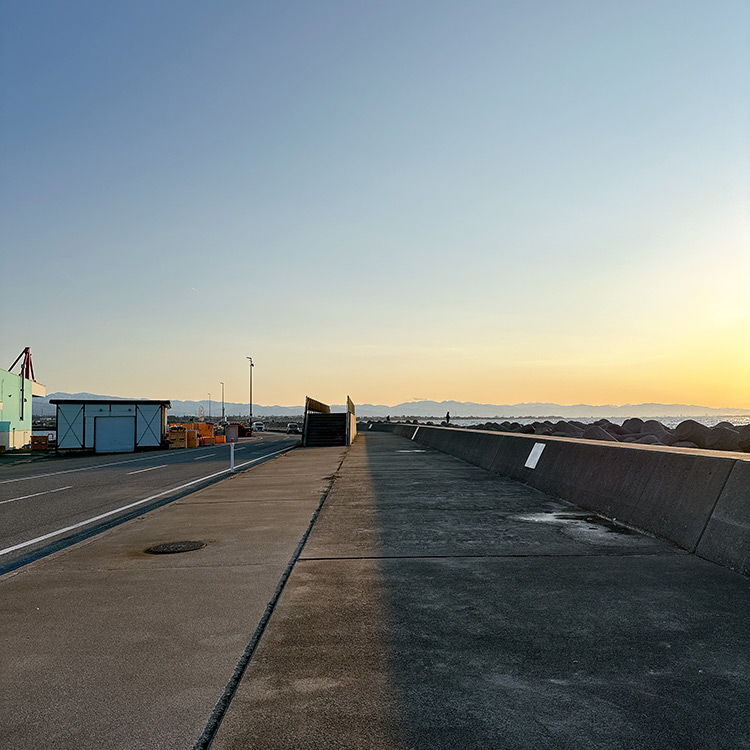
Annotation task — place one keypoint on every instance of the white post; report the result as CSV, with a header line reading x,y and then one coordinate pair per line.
x,y
231,456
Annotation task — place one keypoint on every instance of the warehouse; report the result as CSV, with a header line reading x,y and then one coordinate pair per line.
x,y
110,426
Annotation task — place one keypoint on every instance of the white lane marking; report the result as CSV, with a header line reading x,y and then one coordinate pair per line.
x,y
242,448
36,494
133,505
200,458
150,468
84,468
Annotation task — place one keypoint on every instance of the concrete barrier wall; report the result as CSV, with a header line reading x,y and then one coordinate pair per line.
x,y
698,500
727,536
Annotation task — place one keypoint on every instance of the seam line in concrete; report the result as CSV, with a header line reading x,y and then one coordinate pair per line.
x,y
206,739
713,508
476,557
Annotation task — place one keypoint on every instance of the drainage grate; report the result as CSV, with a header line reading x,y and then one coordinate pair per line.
x,y
171,548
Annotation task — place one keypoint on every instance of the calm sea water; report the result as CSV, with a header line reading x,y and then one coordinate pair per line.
x,y
670,422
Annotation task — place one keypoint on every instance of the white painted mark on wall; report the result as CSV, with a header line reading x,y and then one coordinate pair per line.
x,y
533,458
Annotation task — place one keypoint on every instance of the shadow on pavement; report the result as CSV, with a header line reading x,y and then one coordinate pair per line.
x,y
439,606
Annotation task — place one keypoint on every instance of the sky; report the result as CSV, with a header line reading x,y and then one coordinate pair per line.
x,y
484,201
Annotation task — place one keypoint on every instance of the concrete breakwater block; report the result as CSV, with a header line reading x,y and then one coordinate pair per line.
x,y
723,439
692,431
688,434
595,432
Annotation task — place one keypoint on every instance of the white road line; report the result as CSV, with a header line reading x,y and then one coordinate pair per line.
x,y
132,505
84,468
150,468
36,494
200,458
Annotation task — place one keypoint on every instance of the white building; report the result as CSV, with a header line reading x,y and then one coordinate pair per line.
x,y
110,426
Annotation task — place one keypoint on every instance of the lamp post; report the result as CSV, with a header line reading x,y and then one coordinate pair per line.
x,y
222,402
250,395
209,406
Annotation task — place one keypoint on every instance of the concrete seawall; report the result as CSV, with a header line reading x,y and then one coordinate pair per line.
x,y
699,500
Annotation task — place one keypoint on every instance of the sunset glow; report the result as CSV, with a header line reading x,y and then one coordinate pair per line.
x,y
487,203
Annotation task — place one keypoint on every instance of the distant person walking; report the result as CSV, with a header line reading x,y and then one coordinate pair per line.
x,y
447,417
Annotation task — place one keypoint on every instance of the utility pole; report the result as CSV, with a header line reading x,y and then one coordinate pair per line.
x,y
209,406
250,397
222,402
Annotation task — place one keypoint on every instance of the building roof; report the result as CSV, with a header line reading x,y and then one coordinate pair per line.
x,y
110,401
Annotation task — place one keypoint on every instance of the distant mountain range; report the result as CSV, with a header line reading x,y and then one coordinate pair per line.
x,y
423,409
41,407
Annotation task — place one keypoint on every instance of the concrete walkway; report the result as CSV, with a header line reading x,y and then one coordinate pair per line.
x,y
104,646
436,606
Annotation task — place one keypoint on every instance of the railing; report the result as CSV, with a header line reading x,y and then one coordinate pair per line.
x,y
318,406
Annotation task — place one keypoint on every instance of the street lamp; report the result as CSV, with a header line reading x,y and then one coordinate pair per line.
x,y
209,406
222,402
250,396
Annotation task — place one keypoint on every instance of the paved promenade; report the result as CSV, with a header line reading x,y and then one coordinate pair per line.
x,y
433,606
436,606
106,647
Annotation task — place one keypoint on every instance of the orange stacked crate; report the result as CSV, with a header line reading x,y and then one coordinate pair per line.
x,y
177,436
205,433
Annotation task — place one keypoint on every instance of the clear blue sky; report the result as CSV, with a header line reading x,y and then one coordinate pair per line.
x,y
486,201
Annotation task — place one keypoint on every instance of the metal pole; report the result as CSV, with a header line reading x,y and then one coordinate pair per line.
x,y
250,397
222,401
231,456
209,406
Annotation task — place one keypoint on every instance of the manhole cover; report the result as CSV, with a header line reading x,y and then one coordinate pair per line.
x,y
171,548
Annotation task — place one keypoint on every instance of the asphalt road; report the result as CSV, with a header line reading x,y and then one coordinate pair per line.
x,y
46,505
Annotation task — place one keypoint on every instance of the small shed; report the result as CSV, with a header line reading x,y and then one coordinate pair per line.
x,y
110,426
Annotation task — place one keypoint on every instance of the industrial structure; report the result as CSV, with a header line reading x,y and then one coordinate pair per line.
x,y
111,426
321,427
16,393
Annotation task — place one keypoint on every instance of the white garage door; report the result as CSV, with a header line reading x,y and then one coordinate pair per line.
x,y
114,434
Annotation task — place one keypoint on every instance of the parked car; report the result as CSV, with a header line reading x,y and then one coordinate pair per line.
x,y
292,427
258,427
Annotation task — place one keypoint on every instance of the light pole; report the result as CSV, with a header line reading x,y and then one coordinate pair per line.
x,y
209,406
250,396
222,401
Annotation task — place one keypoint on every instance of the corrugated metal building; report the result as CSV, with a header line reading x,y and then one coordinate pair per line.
x,y
110,426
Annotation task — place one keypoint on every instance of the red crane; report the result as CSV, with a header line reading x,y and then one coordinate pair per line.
x,y
27,368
